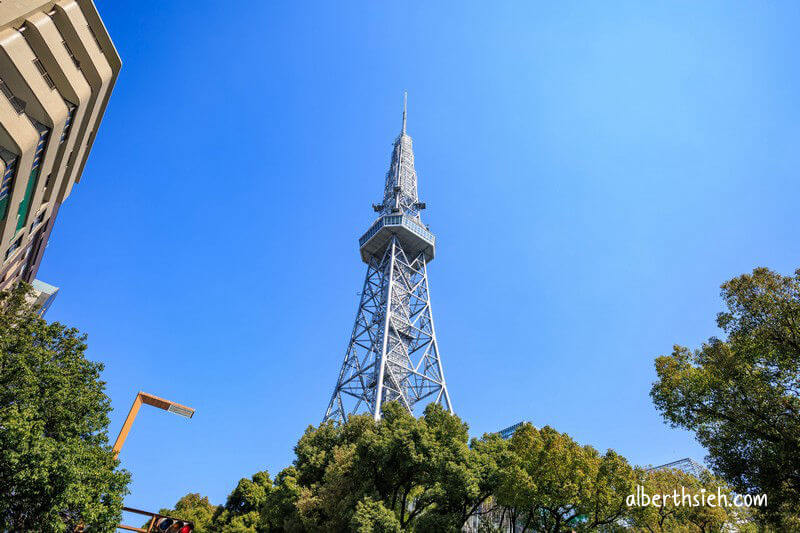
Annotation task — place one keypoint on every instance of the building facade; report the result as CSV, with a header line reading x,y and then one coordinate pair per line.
x,y
57,69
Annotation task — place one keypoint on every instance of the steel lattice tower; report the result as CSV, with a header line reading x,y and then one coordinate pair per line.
x,y
393,354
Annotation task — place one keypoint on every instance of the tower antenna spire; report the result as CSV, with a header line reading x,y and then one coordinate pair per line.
x,y
405,105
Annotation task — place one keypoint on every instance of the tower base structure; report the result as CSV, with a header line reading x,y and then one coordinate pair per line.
x,y
393,354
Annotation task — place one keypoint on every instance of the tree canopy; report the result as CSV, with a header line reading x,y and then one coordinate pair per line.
x,y
56,467
667,516
554,484
195,508
421,469
409,474
741,395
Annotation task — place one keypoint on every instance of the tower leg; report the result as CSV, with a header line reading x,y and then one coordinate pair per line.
x,y
393,354
376,411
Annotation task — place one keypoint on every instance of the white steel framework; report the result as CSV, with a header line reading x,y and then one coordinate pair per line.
x,y
686,465
393,354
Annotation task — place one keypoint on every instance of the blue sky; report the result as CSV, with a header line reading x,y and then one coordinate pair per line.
x,y
592,173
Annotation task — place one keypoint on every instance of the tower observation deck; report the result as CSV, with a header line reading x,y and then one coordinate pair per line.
x,y
393,354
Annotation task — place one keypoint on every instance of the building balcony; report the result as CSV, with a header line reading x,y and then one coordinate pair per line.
x,y
413,236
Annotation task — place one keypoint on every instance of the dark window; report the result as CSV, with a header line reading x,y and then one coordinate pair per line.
x,y
44,73
8,180
18,103
71,55
8,176
11,249
96,40
38,220
25,204
70,116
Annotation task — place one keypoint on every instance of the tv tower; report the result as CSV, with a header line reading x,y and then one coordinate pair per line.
x,y
393,354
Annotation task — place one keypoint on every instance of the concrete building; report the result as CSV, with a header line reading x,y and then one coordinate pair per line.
x,y
57,69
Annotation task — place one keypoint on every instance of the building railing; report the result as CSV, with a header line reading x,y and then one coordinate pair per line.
x,y
397,220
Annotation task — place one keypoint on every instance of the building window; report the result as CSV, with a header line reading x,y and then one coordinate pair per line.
x,y
17,103
44,73
96,40
25,204
14,246
7,182
38,220
70,116
71,55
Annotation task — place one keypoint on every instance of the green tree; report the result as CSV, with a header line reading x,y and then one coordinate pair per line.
x,y
374,517
741,396
421,470
255,505
56,467
194,508
420,474
676,512
242,511
279,513
553,484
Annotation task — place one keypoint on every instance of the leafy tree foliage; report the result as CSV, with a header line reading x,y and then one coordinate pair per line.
x,y
741,396
422,470
553,484
241,513
374,517
56,467
194,508
257,504
280,511
409,474
666,516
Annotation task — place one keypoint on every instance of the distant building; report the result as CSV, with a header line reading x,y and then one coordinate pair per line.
x,y
44,294
686,465
508,432
57,68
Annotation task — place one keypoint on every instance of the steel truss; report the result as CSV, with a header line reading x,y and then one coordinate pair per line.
x,y
393,354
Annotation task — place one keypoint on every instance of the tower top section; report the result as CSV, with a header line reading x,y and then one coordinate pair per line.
x,y
400,190
399,211
405,106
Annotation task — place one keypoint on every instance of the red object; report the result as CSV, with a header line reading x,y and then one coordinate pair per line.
x,y
186,529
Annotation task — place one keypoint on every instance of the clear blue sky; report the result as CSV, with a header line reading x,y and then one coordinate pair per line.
x,y
592,173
